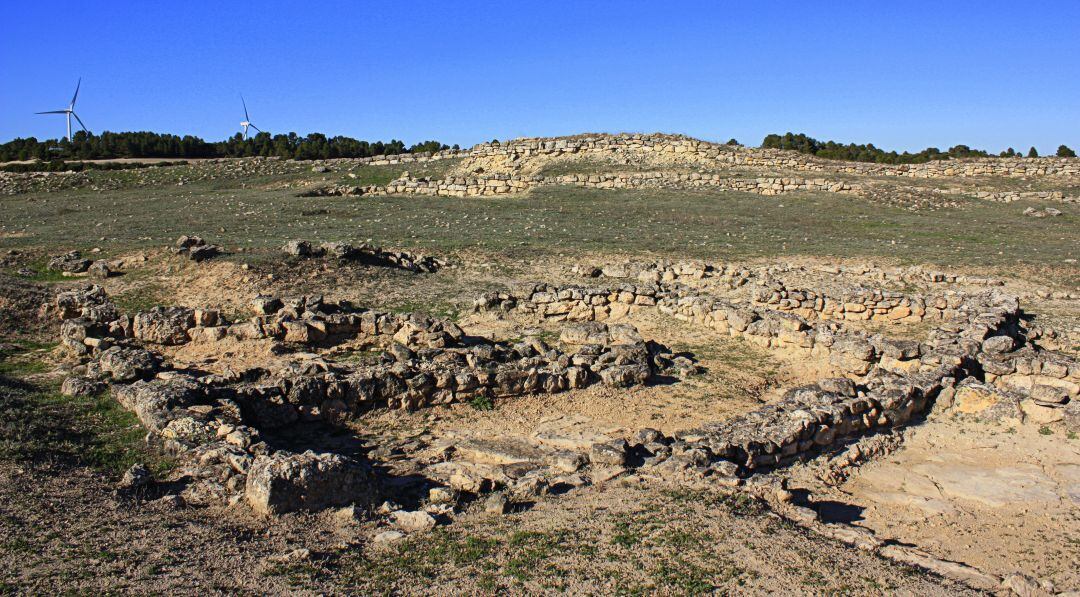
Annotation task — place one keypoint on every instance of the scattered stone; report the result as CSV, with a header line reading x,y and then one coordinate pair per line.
x,y
1024,586
301,248
348,516
135,477
291,557
388,537
171,502
441,495
71,262
196,249
413,522
80,386
496,503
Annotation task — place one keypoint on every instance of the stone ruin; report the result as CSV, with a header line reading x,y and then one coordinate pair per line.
x,y
239,434
364,253
511,167
215,423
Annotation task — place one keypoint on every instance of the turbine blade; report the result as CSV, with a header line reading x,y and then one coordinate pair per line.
x,y
80,122
53,112
256,128
246,117
77,85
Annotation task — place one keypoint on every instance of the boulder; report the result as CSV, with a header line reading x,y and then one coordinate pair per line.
x,y
128,364
80,386
413,522
302,248
89,302
286,482
998,344
164,325
99,269
203,252
159,401
135,477
588,332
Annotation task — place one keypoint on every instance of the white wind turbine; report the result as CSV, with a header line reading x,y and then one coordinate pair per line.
x,y
70,111
247,119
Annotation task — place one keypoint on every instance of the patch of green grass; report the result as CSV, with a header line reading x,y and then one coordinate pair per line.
x,y
42,273
1044,430
530,552
626,534
737,503
482,402
17,545
25,359
141,298
711,224
434,309
37,423
381,175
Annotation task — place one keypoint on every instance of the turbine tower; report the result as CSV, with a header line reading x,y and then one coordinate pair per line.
x,y
70,111
247,119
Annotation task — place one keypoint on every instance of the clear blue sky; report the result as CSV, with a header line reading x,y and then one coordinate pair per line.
x,y
903,75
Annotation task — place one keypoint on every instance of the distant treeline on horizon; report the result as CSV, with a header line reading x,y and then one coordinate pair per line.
x,y
86,146
868,153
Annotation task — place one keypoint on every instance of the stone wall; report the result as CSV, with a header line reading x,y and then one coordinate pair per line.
x,y
217,420
884,381
863,304
705,152
504,184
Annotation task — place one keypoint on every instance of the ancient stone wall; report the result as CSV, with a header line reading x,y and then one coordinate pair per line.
x,y
742,156
894,379
504,184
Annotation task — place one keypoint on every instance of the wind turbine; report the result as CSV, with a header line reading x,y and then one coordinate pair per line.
x,y
70,111
247,119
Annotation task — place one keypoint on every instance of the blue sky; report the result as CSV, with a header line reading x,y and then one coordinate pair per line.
x,y
902,75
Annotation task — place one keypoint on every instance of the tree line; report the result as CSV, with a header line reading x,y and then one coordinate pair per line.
x,y
868,153
86,146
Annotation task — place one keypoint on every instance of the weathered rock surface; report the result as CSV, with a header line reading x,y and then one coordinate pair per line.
x,y
284,482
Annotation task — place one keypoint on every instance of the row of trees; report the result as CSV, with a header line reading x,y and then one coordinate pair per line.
x,y
869,153
108,145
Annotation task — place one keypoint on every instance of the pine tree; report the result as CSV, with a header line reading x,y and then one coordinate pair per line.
x,y
1064,152
1033,153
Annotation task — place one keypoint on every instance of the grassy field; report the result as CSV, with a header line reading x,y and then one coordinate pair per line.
x,y
706,224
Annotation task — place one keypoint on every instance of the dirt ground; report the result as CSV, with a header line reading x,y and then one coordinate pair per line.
x,y
1000,497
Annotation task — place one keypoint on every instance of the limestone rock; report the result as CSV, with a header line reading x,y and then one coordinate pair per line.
x,y
285,482
128,364
135,477
413,522
164,325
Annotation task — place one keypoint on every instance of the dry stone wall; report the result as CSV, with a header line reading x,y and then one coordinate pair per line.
x,y
216,423
699,151
219,423
884,383
505,184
